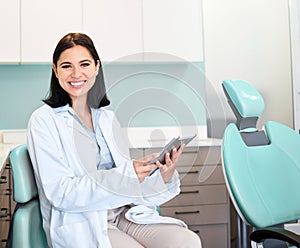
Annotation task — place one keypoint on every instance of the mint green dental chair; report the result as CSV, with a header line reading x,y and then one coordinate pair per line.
x,y
26,230
261,168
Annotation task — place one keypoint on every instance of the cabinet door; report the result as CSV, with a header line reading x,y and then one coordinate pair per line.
x,y
173,27
116,28
10,31
5,211
44,23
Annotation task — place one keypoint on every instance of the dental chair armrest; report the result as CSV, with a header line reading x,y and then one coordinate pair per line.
x,y
275,233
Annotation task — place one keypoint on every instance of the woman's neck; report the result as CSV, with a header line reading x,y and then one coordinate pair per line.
x,y
80,106
82,110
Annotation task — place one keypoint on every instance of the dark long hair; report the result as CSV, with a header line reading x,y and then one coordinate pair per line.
x,y
57,96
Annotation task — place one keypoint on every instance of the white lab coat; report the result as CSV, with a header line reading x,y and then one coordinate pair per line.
x,y
75,198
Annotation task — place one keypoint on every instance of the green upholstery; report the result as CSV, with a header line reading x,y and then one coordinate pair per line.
x,y
265,180
245,98
24,182
27,229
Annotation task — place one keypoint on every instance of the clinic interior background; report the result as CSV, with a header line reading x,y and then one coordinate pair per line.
x,y
246,40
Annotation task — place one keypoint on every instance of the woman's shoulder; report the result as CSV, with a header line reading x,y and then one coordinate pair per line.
x,y
108,112
45,113
104,112
46,110
43,110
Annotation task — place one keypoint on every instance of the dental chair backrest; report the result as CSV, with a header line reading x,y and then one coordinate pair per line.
x,y
27,229
261,168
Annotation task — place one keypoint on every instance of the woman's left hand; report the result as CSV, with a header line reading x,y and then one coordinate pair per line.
x,y
167,170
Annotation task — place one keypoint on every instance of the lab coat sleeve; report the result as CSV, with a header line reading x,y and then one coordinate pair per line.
x,y
70,190
156,192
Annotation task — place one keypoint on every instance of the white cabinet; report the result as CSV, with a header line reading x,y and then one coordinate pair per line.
x,y
44,23
173,27
10,31
135,30
116,28
125,30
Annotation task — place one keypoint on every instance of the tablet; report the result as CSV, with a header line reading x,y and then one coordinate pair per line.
x,y
175,142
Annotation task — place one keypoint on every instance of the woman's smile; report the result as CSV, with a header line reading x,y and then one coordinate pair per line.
x,y
79,84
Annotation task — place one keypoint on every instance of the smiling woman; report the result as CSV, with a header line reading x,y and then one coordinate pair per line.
x,y
90,189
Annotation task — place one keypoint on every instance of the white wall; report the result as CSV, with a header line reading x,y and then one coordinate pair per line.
x,y
249,39
294,10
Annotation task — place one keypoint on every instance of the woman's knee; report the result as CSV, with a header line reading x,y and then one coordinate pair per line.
x,y
193,240
185,238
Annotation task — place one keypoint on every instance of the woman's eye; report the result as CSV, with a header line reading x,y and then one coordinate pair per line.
x,y
66,66
85,64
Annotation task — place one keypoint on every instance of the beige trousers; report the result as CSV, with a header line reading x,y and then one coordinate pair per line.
x,y
131,235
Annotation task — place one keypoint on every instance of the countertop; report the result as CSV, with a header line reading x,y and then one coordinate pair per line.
x,y
4,153
161,143
6,148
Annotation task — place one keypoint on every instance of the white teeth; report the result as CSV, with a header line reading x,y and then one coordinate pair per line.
x,y
77,83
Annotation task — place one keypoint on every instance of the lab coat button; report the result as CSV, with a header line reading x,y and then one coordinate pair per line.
x,y
105,232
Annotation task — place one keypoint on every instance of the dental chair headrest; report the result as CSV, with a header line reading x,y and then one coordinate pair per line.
x,y
245,101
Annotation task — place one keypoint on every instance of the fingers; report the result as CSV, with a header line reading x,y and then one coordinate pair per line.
x,y
167,170
142,169
168,157
176,153
168,162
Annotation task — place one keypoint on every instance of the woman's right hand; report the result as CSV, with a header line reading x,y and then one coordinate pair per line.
x,y
142,169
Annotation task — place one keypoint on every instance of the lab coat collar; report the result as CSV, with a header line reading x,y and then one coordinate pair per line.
x,y
63,109
68,109
68,114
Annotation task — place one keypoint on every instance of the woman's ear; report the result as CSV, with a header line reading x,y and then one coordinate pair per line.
x,y
97,67
54,69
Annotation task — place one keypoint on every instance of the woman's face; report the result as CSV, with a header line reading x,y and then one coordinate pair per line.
x,y
76,71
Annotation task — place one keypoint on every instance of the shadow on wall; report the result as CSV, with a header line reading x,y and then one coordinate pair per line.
x,y
216,127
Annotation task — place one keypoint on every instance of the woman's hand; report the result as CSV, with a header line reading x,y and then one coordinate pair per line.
x,y
167,170
142,169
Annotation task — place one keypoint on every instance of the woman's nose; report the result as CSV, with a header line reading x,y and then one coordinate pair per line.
x,y
75,72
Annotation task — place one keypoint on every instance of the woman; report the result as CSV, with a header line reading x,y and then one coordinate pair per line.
x,y
91,193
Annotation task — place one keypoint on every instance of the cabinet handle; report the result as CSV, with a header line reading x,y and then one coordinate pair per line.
x,y
189,172
189,152
3,179
5,214
188,212
190,192
193,172
8,192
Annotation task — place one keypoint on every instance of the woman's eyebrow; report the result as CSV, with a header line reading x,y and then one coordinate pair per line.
x,y
69,63
85,60
65,63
